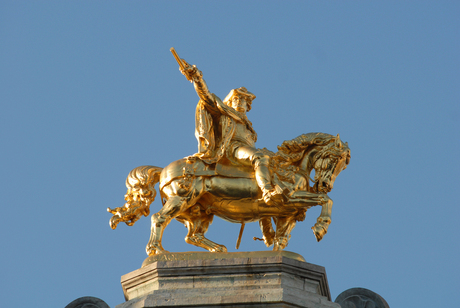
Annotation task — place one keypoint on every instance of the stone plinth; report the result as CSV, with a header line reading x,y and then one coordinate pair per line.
x,y
255,279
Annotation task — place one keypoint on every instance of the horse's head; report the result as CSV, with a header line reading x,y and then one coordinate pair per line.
x,y
324,153
328,161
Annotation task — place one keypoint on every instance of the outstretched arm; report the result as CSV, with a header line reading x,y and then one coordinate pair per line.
x,y
192,73
196,76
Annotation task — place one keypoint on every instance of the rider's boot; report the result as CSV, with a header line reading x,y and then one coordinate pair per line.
x,y
274,195
271,195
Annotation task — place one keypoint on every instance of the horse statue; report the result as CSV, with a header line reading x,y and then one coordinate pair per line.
x,y
193,192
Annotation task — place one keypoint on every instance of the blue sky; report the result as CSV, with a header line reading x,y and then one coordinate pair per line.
x,y
89,90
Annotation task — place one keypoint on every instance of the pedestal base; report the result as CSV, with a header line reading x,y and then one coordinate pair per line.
x,y
255,279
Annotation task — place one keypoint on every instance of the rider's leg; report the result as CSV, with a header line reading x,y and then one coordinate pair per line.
x,y
271,194
247,155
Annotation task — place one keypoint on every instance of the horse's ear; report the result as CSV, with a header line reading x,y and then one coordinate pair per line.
x,y
337,141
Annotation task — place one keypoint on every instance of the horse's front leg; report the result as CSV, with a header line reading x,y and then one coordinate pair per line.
x,y
324,220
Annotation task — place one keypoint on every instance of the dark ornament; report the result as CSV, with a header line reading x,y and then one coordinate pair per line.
x,y
360,298
88,302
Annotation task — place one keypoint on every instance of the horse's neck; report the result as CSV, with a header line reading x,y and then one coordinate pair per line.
x,y
306,165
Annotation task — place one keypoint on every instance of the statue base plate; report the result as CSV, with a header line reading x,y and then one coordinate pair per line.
x,y
193,255
241,279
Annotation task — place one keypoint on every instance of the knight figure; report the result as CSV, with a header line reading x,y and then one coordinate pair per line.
x,y
224,131
230,178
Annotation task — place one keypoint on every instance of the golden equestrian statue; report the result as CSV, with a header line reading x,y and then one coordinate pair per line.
x,y
232,179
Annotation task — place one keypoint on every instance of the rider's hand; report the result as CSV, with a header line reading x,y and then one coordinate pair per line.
x,y
192,72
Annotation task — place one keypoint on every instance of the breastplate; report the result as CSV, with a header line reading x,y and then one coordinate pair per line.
x,y
242,134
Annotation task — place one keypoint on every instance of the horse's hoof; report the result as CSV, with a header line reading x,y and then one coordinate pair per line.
x,y
155,250
159,251
220,248
319,232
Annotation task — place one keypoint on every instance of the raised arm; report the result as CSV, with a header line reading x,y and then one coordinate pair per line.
x,y
192,73
201,88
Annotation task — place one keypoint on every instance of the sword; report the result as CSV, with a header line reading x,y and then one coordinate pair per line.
x,y
239,236
181,63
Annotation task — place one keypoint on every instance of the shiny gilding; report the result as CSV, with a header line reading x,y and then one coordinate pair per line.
x,y
194,255
232,179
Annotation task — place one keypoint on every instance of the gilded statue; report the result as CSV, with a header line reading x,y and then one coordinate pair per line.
x,y
230,178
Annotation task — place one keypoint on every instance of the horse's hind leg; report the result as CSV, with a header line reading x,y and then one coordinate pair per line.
x,y
284,226
159,222
268,233
197,222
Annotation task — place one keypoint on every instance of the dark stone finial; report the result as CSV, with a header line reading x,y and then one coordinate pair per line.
x,y
360,298
88,302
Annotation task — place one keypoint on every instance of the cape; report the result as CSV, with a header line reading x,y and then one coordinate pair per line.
x,y
215,125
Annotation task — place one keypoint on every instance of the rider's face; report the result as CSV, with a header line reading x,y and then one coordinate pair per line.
x,y
239,103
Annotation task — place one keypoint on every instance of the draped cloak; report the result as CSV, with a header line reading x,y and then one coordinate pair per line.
x,y
215,125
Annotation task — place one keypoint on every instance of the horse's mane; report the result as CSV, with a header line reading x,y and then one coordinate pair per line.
x,y
291,151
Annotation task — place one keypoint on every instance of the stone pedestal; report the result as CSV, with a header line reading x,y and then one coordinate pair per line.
x,y
254,279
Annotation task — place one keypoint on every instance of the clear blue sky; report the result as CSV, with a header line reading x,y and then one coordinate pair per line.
x,y
89,91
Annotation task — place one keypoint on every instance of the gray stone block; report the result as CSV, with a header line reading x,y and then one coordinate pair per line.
x,y
268,279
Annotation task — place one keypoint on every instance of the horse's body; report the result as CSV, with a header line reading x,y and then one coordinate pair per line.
x,y
193,192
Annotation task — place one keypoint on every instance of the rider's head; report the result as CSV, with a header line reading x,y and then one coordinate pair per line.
x,y
239,99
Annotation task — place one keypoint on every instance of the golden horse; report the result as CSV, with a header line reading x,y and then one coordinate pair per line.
x,y
193,192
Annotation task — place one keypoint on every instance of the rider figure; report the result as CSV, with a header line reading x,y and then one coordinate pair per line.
x,y
223,129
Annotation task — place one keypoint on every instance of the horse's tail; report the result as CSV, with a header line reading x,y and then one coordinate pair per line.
x,y
141,193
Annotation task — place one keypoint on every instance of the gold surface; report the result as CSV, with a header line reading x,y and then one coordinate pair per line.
x,y
231,178
192,255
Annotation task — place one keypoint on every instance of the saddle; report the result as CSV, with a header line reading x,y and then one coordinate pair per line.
x,y
226,168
